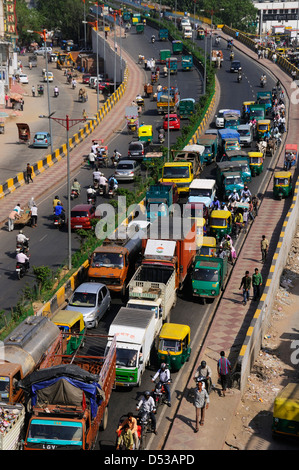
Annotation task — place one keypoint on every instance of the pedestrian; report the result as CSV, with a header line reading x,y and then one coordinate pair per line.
x,y
33,90
33,213
18,209
201,402
29,173
266,53
264,248
11,220
223,369
92,159
257,281
22,104
84,114
6,100
246,284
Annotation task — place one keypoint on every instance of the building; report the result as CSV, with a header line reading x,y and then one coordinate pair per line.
x,y
273,14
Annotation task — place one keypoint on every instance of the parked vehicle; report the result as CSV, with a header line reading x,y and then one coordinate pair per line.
x,y
70,421
33,344
135,332
12,431
208,276
290,155
285,411
174,347
92,299
113,263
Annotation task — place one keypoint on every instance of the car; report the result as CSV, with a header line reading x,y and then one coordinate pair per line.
x,y
82,216
23,78
126,170
174,122
92,299
136,150
85,78
42,51
235,66
41,139
50,77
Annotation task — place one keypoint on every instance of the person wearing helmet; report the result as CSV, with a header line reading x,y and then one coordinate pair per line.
x,y
164,378
146,406
204,370
234,196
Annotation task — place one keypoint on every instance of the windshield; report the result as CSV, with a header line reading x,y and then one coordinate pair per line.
x,y
150,308
243,132
232,122
109,260
83,299
194,212
200,192
281,181
208,149
209,275
4,388
265,100
126,357
40,136
232,145
205,250
263,127
134,147
169,345
233,180
256,160
217,222
55,432
257,112
125,166
176,172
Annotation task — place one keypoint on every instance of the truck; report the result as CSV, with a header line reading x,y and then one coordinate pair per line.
x,y
225,135
208,276
153,290
202,190
69,402
172,95
34,344
164,55
187,62
265,98
186,108
189,166
113,262
159,198
169,245
135,331
257,112
187,32
11,433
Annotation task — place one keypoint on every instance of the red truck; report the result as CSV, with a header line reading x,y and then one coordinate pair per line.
x,y
169,246
70,402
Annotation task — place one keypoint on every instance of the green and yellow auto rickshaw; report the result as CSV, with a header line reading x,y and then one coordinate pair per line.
x,y
220,224
246,109
71,324
145,133
256,162
263,128
282,187
208,247
174,345
286,411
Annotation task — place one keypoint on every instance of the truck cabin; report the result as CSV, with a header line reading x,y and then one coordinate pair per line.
x,y
11,374
103,258
207,273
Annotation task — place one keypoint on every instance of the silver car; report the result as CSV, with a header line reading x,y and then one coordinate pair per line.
x,y
126,170
92,299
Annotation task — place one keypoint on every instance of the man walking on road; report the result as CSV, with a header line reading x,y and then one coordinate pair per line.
x,y
223,369
246,284
264,248
257,281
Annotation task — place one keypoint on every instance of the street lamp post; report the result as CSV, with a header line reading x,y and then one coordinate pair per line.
x,y
114,84
95,25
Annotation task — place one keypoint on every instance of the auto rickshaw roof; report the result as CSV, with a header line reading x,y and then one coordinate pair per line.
x,y
263,121
66,317
220,214
174,331
282,174
247,103
209,241
291,147
255,154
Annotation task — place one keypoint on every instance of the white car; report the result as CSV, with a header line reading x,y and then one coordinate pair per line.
x,y
42,51
50,77
23,78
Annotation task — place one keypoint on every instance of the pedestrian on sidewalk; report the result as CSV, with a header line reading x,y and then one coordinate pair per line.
x,y
223,368
33,91
257,282
264,248
246,284
29,174
201,402
6,100
33,213
11,220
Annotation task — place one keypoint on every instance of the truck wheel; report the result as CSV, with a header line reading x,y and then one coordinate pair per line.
x,y
104,422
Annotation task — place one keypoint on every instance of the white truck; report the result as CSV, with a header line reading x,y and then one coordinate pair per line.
x,y
187,32
12,418
135,331
159,297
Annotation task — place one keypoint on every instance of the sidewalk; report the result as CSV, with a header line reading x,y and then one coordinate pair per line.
x,y
232,318
56,173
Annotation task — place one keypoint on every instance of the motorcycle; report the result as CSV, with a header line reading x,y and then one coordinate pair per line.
x,y
58,221
161,136
21,269
263,82
56,93
115,158
239,78
101,190
91,198
160,393
74,193
153,39
112,190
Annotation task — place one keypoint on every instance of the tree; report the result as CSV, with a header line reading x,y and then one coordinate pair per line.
x,y
27,18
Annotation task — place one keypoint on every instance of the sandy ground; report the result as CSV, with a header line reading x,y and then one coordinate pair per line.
x,y
273,369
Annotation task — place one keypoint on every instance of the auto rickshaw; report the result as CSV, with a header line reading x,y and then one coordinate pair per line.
x,y
40,90
263,127
145,133
208,247
174,345
220,224
24,132
289,150
286,411
256,162
71,324
245,108
282,184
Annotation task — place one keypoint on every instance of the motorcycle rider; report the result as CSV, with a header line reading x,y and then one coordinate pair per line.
x,y
246,192
56,91
204,370
56,200
103,182
23,259
147,406
59,211
153,38
240,74
21,238
76,186
164,378
215,205
116,154
263,79
112,183
91,193
234,196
